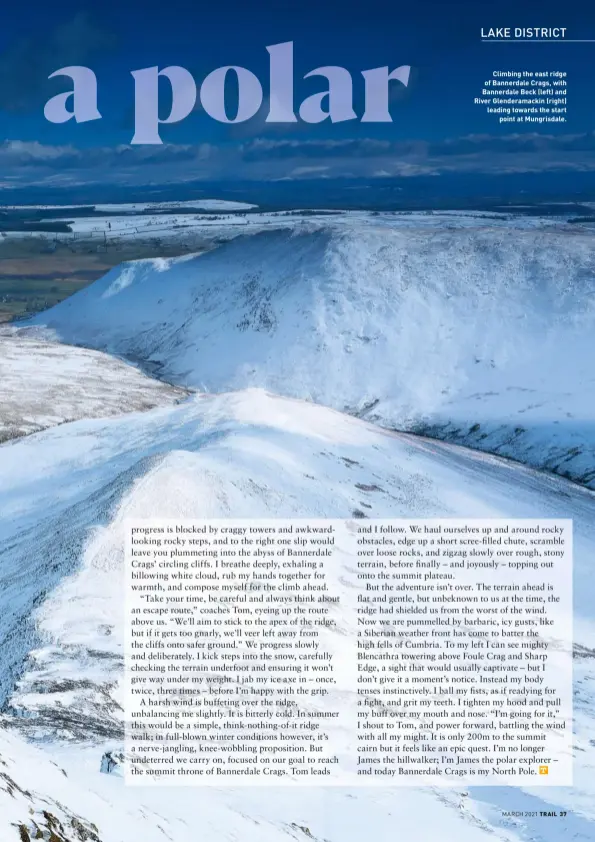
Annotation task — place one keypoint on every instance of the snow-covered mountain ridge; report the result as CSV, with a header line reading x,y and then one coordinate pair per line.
x,y
64,494
479,332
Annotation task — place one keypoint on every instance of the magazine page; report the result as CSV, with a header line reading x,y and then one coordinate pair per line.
x,y
297,421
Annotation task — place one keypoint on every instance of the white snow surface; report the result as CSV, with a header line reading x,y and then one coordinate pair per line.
x,y
64,494
478,331
125,207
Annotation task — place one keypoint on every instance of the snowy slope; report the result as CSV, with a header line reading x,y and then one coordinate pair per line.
x,y
69,797
46,383
63,496
481,332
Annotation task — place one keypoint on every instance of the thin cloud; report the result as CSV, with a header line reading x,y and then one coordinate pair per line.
x,y
269,159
